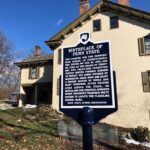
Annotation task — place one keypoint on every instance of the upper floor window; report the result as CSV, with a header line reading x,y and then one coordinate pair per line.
x,y
147,44
114,22
144,45
97,25
34,73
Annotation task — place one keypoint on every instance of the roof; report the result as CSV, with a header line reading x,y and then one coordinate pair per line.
x,y
36,60
100,7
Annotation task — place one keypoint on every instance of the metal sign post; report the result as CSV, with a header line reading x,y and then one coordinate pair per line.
x,y
87,123
88,93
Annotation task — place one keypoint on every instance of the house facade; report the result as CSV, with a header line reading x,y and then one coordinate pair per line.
x,y
36,79
128,30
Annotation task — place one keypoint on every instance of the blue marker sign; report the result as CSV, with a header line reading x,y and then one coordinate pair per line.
x,y
87,76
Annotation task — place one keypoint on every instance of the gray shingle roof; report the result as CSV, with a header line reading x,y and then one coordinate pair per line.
x,y
36,60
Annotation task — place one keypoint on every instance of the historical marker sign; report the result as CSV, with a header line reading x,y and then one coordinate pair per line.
x,y
87,76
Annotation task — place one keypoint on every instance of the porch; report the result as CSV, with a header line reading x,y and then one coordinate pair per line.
x,y
40,93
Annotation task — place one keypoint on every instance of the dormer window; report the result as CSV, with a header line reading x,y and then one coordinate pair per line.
x,y
34,72
144,45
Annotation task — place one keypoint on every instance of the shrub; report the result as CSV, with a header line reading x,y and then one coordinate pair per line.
x,y
140,134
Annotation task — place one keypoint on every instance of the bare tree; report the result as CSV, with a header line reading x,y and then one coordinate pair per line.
x,y
5,52
9,73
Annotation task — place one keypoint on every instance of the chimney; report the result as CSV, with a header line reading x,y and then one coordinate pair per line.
x,y
124,2
84,6
37,50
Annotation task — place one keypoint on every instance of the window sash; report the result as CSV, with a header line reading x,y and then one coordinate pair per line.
x,y
147,44
34,73
97,25
144,45
147,50
114,22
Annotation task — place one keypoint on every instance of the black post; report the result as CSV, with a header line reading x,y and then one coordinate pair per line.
x,y
87,122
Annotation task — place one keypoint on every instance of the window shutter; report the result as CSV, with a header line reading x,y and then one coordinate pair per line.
x,y
38,72
59,56
29,73
145,82
141,45
58,86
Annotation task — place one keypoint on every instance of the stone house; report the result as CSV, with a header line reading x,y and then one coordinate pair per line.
x,y
128,29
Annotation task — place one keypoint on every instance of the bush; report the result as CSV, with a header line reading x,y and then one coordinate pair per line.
x,y
140,134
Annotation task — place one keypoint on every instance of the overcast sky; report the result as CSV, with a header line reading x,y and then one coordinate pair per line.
x,y
31,22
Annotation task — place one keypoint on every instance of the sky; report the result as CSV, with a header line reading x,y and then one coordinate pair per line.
x,y
28,23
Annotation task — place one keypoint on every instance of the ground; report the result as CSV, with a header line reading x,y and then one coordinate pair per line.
x,y
38,129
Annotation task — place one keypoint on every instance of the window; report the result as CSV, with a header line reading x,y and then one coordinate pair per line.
x,y
34,73
147,44
59,56
146,81
97,25
144,45
114,23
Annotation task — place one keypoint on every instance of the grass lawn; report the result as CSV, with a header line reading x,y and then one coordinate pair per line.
x,y
29,129
37,129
